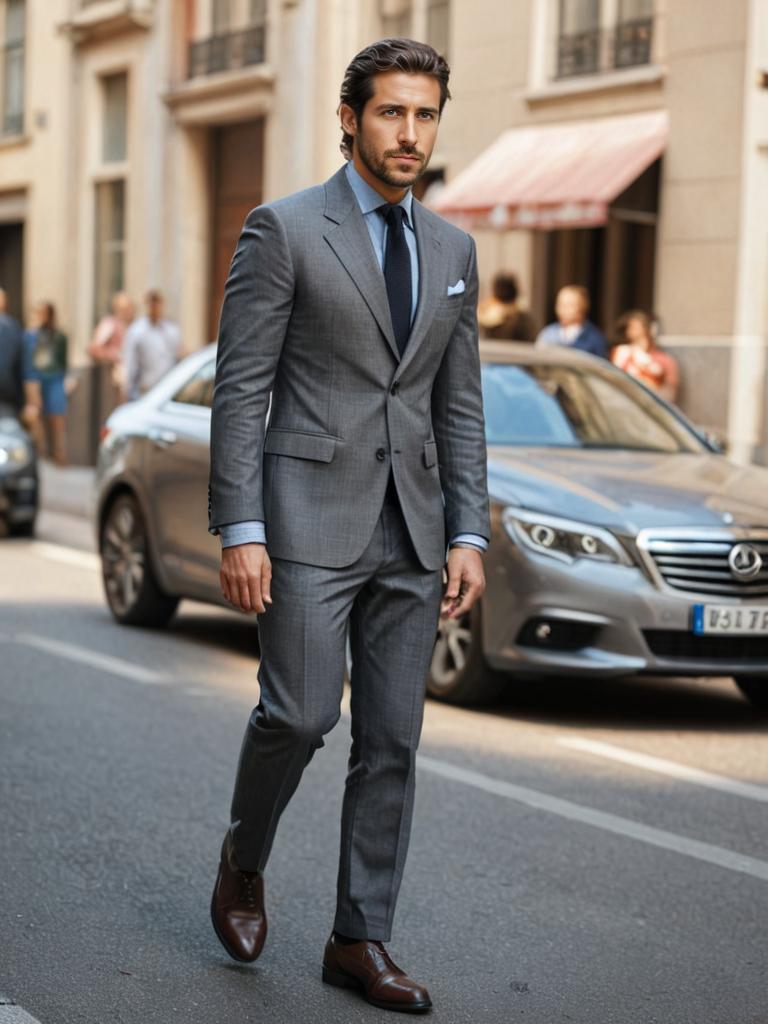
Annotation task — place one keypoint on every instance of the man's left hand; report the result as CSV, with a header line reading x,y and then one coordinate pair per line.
x,y
466,582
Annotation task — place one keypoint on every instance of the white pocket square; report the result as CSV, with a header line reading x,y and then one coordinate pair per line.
x,y
458,288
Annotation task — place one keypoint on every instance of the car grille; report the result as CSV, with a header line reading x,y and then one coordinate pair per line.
x,y
700,565
676,644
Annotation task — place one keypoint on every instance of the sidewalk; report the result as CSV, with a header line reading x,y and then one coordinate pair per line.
x,y
69,490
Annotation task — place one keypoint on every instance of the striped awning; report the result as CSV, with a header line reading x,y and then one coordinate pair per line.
x,y
554,175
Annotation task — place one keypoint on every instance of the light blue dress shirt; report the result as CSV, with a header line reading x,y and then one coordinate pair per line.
x,y
254,531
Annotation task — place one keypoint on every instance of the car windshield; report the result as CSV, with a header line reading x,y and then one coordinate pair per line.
x,y
565,406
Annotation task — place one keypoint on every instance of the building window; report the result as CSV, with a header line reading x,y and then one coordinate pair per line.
x,y
438,25
13,67
115,119
634,33
221,16
227,50
578,41
110,244
602,35
257,12
396,18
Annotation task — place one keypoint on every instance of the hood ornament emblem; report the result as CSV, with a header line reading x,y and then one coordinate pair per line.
x,y
745,561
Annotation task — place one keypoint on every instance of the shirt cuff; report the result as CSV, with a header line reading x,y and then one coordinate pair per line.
x,y
252,531
472,540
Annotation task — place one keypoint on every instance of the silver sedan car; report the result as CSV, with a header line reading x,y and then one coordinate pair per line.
x,y
622,541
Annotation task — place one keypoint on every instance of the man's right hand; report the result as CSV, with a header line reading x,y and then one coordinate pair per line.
x,y
246,575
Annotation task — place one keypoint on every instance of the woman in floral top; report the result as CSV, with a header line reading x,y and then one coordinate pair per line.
x,y
639,355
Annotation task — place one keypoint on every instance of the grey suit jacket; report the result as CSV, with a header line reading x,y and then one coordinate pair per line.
x,y
305,318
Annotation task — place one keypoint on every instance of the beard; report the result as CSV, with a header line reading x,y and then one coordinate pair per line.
x,y
377,164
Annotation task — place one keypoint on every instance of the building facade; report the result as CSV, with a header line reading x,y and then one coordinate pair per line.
x,y
136,134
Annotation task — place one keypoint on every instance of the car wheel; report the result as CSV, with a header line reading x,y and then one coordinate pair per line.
x,y
134,596
755,689
459,673
22,529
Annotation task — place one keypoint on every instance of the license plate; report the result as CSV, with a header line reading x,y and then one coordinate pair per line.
x,y
725,618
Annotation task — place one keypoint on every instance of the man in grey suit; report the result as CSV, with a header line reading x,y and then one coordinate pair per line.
x,y
354,307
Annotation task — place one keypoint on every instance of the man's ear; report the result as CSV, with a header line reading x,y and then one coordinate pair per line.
x,y
348,119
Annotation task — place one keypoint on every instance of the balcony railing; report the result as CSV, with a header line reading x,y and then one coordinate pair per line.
x,y
629,44
227,52
632,44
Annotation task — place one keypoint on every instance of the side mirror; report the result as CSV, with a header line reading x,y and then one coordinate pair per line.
x,y
714,440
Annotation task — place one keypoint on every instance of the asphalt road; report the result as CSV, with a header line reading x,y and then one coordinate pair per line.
x,y
557,871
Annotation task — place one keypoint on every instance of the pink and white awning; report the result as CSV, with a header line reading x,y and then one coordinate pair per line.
x,y
554,175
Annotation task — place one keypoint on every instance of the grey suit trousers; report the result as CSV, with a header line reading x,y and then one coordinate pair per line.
x,y
391,604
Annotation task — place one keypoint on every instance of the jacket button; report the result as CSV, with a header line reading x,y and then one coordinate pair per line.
x,y
395,388
381,454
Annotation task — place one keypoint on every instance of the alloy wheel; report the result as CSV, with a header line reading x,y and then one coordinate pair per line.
x,y
454,639
123,556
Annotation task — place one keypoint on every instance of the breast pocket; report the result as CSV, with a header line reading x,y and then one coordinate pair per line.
x,y
449,307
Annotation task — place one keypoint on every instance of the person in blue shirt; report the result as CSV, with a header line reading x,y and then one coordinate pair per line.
x,y
572,327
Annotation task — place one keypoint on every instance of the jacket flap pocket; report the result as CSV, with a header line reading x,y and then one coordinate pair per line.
x,y
300,444
430,454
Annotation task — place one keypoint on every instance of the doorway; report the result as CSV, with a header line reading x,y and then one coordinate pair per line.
x,y
12,267
237,154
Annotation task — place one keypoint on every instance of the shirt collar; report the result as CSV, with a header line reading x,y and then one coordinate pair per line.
x,y
368,199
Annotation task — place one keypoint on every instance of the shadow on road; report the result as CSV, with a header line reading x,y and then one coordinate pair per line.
x,y
634,702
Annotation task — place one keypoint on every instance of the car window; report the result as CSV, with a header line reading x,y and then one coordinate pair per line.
x,y
198,390
567,406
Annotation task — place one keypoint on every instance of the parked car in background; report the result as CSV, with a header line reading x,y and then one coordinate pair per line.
x,y
622,543
18,476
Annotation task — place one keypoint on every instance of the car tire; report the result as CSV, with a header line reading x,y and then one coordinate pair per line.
x,y
133,594
459,673
22,529
755,689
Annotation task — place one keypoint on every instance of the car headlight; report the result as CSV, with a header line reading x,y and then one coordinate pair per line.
x,y
563,539
13,452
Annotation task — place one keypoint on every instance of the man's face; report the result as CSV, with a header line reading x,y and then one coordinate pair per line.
x,y
396,134
570,307
155,309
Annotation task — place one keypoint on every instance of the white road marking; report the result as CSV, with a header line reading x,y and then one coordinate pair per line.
x,y
749,790
105,662
68,556
718,855
10,1013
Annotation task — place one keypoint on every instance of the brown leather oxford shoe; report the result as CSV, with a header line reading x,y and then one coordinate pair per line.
x,y
367,967
237,909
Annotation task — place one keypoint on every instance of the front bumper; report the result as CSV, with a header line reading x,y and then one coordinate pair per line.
x,y
543,616
19,495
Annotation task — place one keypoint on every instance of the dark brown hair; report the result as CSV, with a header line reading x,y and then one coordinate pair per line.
x,y
505,287
48,318
388,55
622,323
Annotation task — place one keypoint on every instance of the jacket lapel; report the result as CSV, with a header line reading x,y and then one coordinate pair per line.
x,y
351,242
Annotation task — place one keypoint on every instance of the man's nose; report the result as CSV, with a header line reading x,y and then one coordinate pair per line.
x,y
407,134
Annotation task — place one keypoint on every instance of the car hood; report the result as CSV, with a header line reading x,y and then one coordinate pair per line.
x,y
629,491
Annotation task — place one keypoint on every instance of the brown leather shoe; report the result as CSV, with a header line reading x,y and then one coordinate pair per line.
x,y
367,966
237,909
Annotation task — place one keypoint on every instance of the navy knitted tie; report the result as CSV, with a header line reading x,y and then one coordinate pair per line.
x,y
397,274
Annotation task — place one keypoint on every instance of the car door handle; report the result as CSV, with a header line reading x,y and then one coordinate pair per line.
x,y
162,438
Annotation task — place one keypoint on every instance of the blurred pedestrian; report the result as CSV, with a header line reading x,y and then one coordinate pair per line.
x,y
572,328
11,361
639,355
151,347
500,315
45,371
106,347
